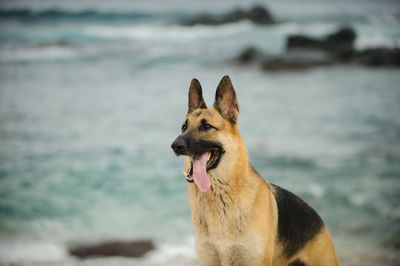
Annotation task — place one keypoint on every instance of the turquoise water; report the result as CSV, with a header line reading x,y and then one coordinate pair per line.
x,y
91,96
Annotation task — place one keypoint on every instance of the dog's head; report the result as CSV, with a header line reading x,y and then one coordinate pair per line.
x,y
209,136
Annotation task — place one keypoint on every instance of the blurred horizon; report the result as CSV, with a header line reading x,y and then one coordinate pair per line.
x,y
93,93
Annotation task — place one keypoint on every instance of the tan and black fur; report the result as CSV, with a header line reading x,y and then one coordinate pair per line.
x,y
242,219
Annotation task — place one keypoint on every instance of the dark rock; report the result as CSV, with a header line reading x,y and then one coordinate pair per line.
x,y
376,57
298,41
249,55
257,14
339,44
116,248
344,35
296,61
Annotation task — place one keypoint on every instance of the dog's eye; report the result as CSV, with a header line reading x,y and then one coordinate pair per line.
x,y
205,127
184,126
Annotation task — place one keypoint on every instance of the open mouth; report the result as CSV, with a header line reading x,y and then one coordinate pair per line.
x,y
199,166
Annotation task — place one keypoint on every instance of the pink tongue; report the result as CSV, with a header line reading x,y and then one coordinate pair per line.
x,y
200,173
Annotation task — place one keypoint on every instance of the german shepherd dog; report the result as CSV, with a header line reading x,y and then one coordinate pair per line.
x,y
239,218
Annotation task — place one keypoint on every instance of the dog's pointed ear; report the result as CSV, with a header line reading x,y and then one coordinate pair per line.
x,y
195,96
225,100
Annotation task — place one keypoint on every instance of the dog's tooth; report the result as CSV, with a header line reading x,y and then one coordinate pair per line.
x,y
186,174
209,156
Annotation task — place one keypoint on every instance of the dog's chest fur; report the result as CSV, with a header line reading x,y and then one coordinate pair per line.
x,y
223,229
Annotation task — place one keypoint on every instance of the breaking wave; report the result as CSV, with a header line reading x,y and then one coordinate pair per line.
x,y
29,15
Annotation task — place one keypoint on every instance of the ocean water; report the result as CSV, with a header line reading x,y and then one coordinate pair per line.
x,y
93,93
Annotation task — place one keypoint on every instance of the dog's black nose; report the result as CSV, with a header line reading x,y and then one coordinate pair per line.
x,y
179,146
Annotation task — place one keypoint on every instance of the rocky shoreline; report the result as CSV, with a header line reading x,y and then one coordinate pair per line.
x,y
257,14
304,52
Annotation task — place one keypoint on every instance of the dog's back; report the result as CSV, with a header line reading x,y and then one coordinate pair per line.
x,y
298,227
